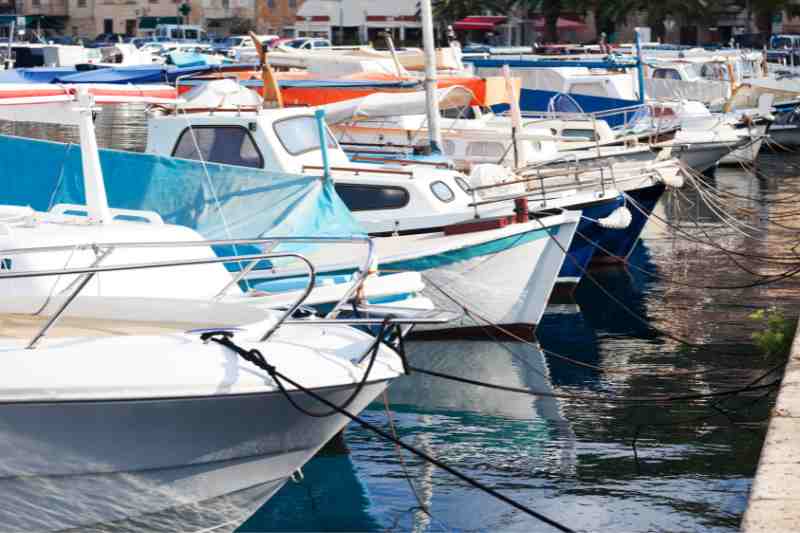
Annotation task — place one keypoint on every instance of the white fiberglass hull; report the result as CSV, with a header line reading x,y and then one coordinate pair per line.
x,y
749,152
79,464
502,277
702,156
102,429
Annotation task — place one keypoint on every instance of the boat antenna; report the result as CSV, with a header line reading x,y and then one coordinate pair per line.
x,y
319,115
516,115
429,45
272,93
640,65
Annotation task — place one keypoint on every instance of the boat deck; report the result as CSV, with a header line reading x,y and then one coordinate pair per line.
x,y
25,327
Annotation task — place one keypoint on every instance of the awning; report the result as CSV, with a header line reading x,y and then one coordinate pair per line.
x,y
150,23
561,24
486,23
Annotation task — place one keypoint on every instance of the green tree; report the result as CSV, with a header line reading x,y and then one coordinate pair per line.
x,y
763,11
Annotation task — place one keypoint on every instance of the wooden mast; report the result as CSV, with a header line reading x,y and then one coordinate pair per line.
x,y
272,93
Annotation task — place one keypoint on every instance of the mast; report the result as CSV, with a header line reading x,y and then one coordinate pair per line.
x,y
434,129
93,184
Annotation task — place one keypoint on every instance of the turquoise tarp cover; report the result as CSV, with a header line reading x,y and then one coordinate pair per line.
x,y
219,201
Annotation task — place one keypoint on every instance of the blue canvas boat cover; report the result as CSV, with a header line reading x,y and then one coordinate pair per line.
x,y
187,59
138,74
219,201
35,75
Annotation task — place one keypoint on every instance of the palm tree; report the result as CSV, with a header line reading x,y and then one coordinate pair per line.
x,y
449,11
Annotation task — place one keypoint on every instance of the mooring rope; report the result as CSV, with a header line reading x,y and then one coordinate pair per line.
x,y
255,357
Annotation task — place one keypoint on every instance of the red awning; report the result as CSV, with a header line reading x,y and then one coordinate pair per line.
x,y
561,24
478,23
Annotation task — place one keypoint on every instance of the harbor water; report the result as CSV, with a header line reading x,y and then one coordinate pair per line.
x,y
584,452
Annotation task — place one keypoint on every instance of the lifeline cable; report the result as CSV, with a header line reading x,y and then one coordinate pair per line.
x,y
256,358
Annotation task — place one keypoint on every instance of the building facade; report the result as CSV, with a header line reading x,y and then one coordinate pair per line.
x,y
359,21
277,17
88,18
349,21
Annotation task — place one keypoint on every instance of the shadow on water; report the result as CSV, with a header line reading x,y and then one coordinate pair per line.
x,y
330,497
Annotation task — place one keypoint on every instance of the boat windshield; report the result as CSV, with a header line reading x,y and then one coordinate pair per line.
x,y
299,134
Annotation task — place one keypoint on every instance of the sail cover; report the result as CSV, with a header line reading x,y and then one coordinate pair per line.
x,y
219,201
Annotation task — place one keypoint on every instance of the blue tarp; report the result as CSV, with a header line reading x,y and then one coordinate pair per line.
x,y
136,74
219,201
34,74
187,59
141,74
536,100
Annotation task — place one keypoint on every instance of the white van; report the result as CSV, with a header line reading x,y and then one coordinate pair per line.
x,y
180,32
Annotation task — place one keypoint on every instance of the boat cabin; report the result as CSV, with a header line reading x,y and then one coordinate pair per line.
x,y
385,198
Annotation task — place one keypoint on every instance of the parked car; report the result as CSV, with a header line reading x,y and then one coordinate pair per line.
x,y
234,44
308,43
756,41
229,45
106,39
137,41
64,39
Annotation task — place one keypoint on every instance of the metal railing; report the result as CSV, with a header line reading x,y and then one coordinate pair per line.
x,y
103,250
603,175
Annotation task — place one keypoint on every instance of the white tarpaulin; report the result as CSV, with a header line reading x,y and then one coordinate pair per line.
x,y
221,94
783,91
706,91
394,104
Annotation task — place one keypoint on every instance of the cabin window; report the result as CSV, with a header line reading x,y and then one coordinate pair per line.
x,y
5,263
229,145
463,184
589,88
666,74
359,197
449,147
442,191
582,135
486,149
300,134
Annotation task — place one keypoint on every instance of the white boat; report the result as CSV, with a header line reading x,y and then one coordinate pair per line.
x,y
502,272
113,407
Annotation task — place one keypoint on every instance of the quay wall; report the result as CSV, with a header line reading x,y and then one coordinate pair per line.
x,y
774,504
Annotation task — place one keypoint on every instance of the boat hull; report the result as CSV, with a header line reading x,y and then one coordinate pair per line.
x,y
505,282
702,157
785,135
748,153
615,246
77,464
583,246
